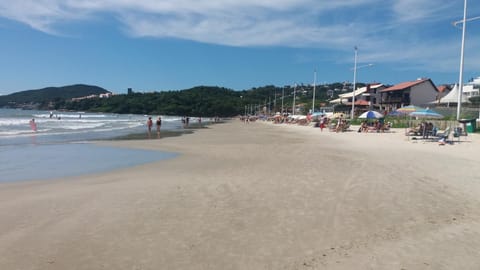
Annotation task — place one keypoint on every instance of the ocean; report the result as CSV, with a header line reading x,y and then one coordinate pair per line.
x,y
61,144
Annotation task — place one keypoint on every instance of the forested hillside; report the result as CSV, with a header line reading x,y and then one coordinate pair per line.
x,y
202,101
199,101
41,98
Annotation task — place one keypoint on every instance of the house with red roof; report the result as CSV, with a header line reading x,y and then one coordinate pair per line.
x,y
419,93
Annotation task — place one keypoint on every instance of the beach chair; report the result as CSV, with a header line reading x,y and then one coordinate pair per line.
x,y
443,134
458,132
414,131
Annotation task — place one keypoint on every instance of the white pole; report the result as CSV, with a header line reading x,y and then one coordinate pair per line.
x,y
275,100
283,94
293,105
269,105
354,83
460,80
314,84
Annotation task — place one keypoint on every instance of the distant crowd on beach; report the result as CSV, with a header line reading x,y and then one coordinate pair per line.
x,y
185,123
333,122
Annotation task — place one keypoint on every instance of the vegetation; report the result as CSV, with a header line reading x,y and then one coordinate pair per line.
x,y
475,100
199,101
50,97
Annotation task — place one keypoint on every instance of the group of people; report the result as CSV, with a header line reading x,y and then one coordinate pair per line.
x,y
377,126
150,125
185,122
424,129
342,125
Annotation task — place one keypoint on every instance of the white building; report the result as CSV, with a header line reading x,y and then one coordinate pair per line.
x,y
367,95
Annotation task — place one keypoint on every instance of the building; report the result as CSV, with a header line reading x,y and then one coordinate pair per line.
x,y
452,98
419,93
368,96
472,88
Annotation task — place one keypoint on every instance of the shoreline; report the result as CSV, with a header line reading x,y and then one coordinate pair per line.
x,y
256,196
190,129
45,161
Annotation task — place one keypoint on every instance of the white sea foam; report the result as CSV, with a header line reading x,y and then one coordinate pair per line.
x,y
73,126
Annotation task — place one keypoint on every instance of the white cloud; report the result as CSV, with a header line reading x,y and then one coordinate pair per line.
x,y
421,10
229,22
386,31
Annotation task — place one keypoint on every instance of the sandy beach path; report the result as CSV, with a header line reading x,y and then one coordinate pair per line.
x,y
256,196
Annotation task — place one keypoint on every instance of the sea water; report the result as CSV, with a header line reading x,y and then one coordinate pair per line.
x,y
58,127
60,145
50,161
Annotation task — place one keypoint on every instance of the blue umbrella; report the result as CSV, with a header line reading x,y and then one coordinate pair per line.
x,y
371,115
426,113
396,113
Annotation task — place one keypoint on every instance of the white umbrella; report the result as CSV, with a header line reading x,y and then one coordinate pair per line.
x,y
371,115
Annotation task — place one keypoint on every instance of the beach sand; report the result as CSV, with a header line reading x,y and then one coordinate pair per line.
x,y
256,196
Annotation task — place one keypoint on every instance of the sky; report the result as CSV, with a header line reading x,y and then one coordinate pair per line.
x,y
157,45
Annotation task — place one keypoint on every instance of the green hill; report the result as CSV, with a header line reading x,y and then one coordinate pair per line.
x,y
41,98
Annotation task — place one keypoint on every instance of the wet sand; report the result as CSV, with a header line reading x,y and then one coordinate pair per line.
x,y
256,196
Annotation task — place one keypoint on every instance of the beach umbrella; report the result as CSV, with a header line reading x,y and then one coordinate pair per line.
x,y
371,115
426,113
397,113
318,113
404,111
408,109
337,115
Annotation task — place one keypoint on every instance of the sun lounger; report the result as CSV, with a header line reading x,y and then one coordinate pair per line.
x,y
458,132
443,134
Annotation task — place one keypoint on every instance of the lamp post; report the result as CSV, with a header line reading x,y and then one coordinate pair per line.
x,y
314,83
460,80
293,103
275,100
354,82
355,68
283,94
460,83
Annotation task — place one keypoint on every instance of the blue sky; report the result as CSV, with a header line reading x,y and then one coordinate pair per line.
x,y
155,45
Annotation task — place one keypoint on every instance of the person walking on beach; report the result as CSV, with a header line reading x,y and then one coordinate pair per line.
x,y
149,126
159,124
322,123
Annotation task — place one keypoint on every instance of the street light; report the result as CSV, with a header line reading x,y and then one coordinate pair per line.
x,y
293,104
460,83
314,83
460,80
354,82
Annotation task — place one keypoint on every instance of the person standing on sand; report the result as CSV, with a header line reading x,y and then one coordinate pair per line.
x,y
159,124
149,126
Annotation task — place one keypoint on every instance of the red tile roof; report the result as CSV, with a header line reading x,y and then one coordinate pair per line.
x,y
404,85
361,102
443,88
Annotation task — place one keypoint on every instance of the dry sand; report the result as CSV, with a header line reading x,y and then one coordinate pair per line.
x,y
257,196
